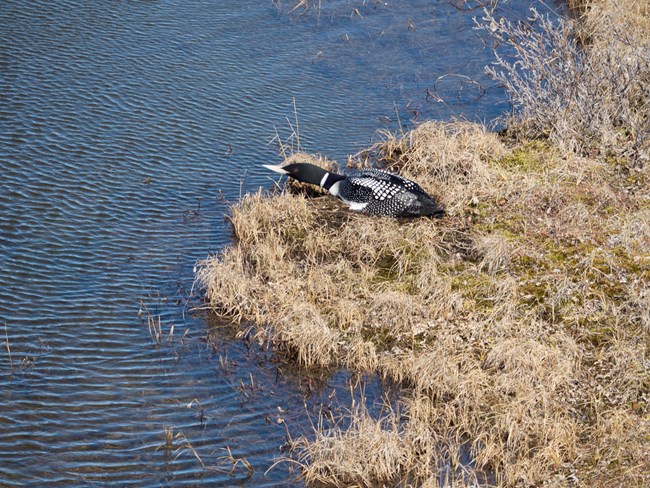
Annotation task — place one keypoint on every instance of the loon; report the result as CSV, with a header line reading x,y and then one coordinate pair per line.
x,y
371,191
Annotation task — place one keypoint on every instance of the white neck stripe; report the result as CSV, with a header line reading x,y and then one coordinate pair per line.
x,y
324,179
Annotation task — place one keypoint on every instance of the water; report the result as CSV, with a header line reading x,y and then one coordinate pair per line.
x,y
126,128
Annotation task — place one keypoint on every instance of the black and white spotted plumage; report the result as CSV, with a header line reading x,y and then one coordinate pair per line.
x,y
383,193
372,191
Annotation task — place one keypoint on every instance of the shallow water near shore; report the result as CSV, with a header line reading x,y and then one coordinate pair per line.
x,y
126,130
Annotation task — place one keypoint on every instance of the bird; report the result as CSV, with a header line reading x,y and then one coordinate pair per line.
x,y
371,191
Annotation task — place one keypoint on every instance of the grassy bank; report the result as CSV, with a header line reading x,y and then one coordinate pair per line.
x,y
518,326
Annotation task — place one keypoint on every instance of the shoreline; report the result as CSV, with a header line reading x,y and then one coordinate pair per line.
x,y
517,326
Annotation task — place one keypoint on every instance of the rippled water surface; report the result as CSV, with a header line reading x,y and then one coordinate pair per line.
x,y
125,130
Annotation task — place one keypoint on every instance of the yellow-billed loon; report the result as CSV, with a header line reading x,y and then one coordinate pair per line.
x,y
371,191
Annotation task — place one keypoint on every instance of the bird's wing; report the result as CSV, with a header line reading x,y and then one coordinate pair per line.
x,y
376,188
394,179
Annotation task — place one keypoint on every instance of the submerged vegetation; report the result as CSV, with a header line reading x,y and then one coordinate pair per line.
x,y
517,327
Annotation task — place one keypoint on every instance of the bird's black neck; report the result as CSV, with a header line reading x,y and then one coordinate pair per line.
x,y
310,173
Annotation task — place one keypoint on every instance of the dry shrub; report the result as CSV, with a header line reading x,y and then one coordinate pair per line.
x,y
517,326
590,99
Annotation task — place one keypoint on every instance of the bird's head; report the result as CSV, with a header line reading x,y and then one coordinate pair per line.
x,y
304,172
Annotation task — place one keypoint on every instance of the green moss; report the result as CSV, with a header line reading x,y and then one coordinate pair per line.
x,y
383,338
527,263
533,293
488,217
511,229
294,235
387,276
616,161
627,262
477,288
625,169
396,271
599,331
530,157
385,269
595,274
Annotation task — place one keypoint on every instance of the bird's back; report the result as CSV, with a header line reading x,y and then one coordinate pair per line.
x,y
379,192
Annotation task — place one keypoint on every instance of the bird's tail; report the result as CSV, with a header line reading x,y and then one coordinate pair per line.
x,y
427,207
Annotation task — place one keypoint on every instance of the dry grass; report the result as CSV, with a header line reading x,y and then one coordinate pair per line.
x,y
518,325
634,15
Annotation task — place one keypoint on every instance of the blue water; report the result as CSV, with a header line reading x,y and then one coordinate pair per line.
x,y
126,128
